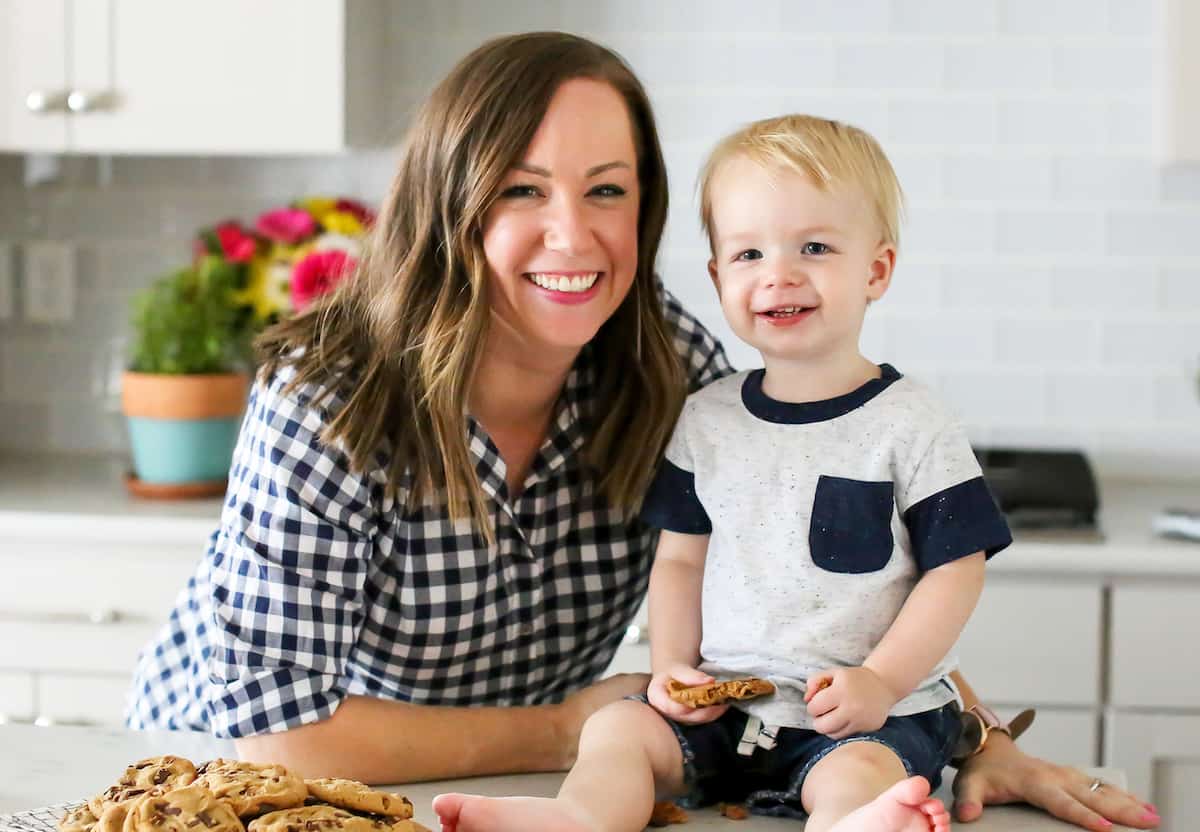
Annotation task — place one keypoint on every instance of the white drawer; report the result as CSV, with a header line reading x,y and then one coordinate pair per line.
x,y
630,658
82,698
1034,641
17,697
54,646
43,579
1154,632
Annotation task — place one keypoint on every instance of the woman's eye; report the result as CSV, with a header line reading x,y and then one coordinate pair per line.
x,y
607,190
749,254
518,191
815,248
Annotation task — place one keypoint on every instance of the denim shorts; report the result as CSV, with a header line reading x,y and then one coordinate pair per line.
x,y
768,781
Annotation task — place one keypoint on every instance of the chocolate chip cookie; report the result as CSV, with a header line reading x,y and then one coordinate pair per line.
x,y
80,819
319,819
158,773
718,693
186,809
252,788
353,795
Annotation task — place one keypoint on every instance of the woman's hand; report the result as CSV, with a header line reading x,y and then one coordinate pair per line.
x,y
1003,773
662,702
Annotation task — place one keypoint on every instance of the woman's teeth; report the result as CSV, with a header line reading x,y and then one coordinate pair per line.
x,y
562,283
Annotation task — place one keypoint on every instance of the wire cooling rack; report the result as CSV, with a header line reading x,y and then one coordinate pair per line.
x,y
44,819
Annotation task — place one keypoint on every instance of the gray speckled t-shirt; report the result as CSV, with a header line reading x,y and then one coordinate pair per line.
x,y
822,516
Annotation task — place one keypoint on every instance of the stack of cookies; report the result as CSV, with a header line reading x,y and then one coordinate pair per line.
x,y
169,794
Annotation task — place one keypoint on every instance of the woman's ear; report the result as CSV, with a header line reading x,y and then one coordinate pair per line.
x,y
880,276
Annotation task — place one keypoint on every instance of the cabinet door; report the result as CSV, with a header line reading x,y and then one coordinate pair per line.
x,y
33,65
1161,756
223,76
1154,627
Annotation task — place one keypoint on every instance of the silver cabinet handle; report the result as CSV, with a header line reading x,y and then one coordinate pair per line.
x,y
82,101
636,635
104,617
46,101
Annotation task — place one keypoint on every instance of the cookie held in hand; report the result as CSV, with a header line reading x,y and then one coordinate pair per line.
x,y
353,795
718,693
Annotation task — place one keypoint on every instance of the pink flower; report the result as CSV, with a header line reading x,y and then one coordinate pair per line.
x,y
286,225
236,244
359,211
317,273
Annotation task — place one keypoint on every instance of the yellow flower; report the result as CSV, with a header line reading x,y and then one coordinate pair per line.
x,y
266,289
341,222
318,206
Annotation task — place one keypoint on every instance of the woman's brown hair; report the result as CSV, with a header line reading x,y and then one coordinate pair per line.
x,y
400,339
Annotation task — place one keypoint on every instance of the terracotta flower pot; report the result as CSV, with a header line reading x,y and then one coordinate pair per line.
x,y
183,428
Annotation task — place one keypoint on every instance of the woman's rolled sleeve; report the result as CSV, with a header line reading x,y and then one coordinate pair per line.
x,y
286,572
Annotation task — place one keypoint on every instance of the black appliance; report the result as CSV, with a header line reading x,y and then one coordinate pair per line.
x,y
1042,489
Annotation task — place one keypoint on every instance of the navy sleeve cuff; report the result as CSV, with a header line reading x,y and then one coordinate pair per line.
x,y
956,522
672,504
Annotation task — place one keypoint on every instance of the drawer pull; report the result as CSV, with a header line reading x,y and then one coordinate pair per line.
x,y
103,617
635,634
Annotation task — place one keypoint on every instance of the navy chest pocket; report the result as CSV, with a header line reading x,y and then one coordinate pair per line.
x,y
851,526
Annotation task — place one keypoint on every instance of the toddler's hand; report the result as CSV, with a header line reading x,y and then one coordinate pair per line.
x,y
847,700
668,707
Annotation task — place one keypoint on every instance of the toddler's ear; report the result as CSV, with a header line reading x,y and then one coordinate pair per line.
x,y
712,272
881,271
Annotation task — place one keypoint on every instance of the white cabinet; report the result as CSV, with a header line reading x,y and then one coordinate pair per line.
x,y
223,76
1160,753
74,613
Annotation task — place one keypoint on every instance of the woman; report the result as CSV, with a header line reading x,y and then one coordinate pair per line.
x,y
430,548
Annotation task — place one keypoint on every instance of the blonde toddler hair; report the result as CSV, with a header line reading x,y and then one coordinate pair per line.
x,y
828,152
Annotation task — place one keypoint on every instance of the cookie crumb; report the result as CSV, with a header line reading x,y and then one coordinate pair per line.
x,y
666,813
733,811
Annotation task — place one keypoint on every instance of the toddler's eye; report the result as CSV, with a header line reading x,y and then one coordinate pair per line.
x,y
750,254
815,248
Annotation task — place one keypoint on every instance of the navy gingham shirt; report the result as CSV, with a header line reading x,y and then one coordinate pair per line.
x,y
316,585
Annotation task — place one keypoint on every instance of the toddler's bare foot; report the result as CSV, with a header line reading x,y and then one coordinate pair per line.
x,y
905,807
475,813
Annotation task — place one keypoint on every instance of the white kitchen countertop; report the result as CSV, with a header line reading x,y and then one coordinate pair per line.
x,y
71,497
46,766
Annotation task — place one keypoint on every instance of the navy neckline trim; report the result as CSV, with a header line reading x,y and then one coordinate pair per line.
x,y
801,413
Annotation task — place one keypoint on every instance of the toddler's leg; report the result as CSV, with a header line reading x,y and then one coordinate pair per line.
x,y
626,752
863,787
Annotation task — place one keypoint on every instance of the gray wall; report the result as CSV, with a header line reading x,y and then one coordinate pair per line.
x,y
1048,285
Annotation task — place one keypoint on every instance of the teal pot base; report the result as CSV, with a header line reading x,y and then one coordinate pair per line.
x,y
173,451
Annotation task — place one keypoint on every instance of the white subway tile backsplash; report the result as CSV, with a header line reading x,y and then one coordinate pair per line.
x,y
1058,121
945,120
1150,343
1043,232
888,64
999,399
1105,178
998,179
998,65
1169,232
1009,288
1053,342
944,17
1048,283
1099,287
1110,68
1101,399
1053,17
943,340
848,17
1181,288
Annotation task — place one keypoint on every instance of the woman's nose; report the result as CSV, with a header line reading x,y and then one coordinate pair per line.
x,y
567,229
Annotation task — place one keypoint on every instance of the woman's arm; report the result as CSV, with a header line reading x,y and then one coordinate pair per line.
x,y
1003,773
384,741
